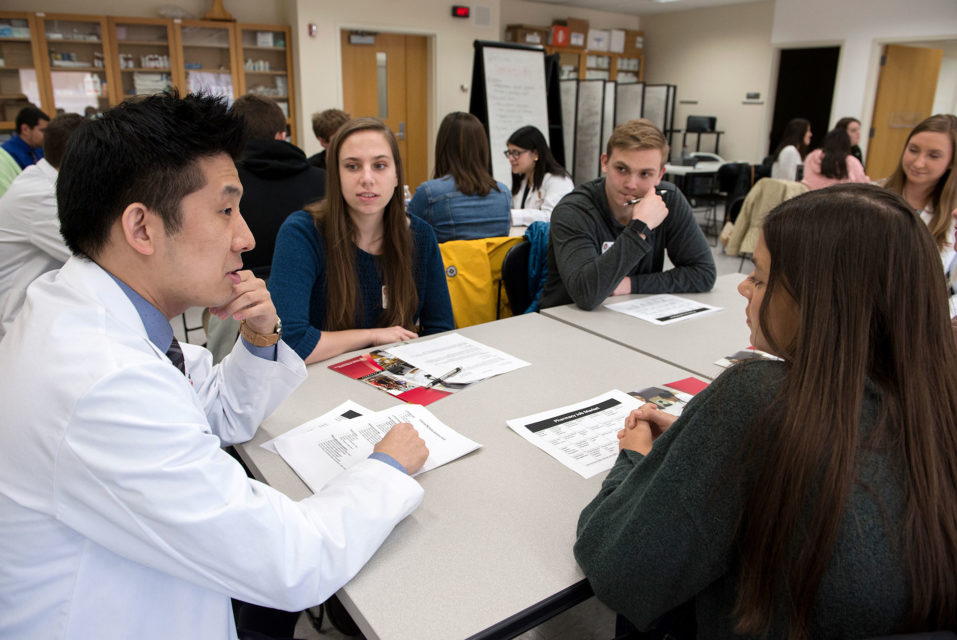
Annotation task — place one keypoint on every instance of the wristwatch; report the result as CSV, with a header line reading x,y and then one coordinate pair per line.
x,y
259,339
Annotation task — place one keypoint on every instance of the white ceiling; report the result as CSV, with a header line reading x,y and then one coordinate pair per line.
x,y
643,7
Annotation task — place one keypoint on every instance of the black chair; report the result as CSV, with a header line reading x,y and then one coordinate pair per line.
x,y
515,277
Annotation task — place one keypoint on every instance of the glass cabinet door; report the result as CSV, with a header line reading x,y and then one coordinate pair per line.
x,y
145,58
264,51
18,72
206,58
77,63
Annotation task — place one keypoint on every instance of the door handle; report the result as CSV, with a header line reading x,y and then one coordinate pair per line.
x,y
401,135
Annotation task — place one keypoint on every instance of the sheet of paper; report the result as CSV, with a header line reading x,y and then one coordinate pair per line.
x,y
582,436
745,354
663,309
320,453
345,411
439,356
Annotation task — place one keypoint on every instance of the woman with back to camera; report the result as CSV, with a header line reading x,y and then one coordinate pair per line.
x,y
791,150
354,270
833,162
812,497
462,201
853,128
925,177
538,181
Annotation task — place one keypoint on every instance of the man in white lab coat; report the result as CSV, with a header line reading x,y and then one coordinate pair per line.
x,y
30,240
120,514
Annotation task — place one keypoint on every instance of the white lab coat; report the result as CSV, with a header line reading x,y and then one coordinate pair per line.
x,y
30,240
541,201
120,515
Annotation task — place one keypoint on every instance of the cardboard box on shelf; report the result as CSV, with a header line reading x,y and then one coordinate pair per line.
x,y
577,32
599,39
634,41
617,41
559,36
526,34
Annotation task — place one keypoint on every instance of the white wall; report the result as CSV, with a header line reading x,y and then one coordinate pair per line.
x,y
542,14
715,56
318,62
946,98
861,29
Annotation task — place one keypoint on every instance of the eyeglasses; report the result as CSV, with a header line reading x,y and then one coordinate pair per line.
x,y
514,153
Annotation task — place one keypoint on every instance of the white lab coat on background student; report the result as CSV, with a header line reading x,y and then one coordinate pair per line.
x,y
120,515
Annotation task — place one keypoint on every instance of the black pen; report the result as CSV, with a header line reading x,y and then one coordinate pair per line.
x,y
660,192
443,377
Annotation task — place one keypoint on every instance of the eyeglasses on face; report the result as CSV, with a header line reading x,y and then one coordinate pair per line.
x,y
514,153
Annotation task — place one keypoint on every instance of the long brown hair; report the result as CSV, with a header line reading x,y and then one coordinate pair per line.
x,y
332,219
461,151
944,196
873,306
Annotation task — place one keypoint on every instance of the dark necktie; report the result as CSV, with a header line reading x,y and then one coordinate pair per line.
x,y
175,354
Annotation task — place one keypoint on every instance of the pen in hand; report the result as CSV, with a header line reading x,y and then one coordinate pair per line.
x,y
660,192
442,378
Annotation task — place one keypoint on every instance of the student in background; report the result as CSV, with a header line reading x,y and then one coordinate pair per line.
x,y
925,178
30,240
463,201
811,497
26,145
538,181
354,270
609,236
833,162
324,126
853,128
791,150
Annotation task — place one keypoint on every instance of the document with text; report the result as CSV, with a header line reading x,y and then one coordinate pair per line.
x,y
329,447
345,411
582,436
663,309
470,361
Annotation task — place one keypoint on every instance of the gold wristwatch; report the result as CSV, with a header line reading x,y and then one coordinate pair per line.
x,y
259,339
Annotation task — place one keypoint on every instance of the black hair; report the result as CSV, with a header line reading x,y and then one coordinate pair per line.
x,y
530,138
143,150
30,116
793,135
57,134
836,148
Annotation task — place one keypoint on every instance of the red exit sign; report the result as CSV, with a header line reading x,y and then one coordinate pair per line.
x,y
460,11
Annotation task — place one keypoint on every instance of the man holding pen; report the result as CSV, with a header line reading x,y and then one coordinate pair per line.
x,y
609,236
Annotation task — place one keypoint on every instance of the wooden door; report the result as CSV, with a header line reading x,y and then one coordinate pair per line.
x,y
905,96
384,76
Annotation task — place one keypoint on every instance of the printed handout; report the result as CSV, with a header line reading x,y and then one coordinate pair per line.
x,y
745,354
663,309
472,361
395,376
326,448
345,411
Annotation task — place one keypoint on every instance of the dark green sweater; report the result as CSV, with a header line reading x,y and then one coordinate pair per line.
x,y
662,529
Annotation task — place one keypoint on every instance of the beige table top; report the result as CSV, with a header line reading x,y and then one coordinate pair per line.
x,y
491,544
693,344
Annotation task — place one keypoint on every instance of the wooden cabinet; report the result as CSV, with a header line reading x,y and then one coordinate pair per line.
x,y
78,63
147,57
20,82
582,64
266,70
85,64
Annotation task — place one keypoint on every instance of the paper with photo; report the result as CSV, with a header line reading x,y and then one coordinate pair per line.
x,y
320,453
582,436
663,308
668,400
345,411
443,354
395,376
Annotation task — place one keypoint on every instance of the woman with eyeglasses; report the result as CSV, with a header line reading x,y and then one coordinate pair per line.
x,y
462,201
538,181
